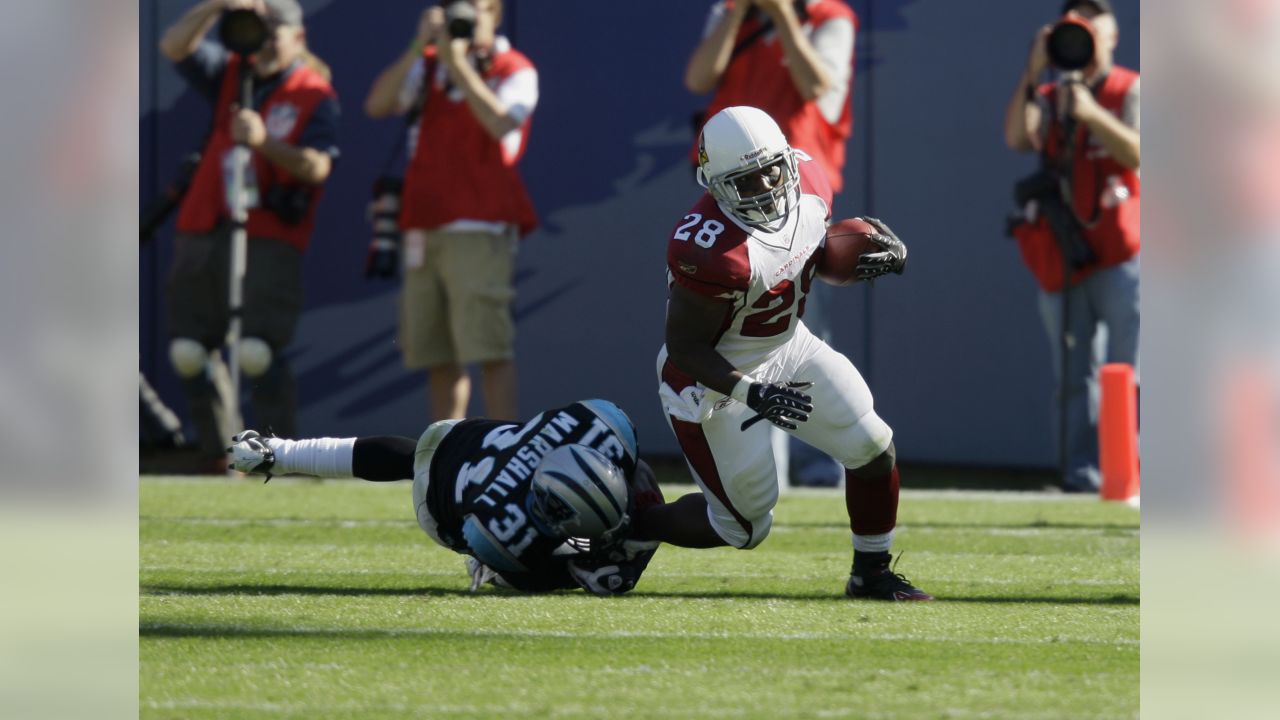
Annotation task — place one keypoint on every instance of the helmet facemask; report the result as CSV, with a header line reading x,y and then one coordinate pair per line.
x,y
760,193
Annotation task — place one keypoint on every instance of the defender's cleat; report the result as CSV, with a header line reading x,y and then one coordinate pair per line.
x,y
880,582
250,454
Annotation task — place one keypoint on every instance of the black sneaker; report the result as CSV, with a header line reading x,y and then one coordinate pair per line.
x,y
880,582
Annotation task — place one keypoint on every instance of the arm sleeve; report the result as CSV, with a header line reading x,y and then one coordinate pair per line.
x,y
519,93
714,16
203,68
1132,113
833,41
708,275
321,132
412,86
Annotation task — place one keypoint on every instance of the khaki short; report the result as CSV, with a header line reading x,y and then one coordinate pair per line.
x,y
455,306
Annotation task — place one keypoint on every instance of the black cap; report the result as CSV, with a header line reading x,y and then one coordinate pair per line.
x,y
1102,6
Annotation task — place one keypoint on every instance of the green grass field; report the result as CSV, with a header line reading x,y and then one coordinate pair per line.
x,y
307,599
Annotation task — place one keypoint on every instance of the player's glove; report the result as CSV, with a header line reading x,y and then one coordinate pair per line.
x,y
615,570
892,257
250,454
780,403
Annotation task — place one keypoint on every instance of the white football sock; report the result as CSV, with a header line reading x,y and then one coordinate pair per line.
x,y
873,543
322,457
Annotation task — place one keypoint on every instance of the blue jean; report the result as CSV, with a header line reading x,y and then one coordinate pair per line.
x,y
1103,328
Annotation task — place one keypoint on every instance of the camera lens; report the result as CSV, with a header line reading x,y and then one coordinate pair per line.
x,y
1070,45
460,17
243,32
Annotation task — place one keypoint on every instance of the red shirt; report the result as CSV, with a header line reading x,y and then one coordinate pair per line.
x,y
458,170
757,77
1106,195
285,112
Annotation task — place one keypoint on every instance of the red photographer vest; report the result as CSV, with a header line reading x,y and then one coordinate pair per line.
x,y
757,77
1101,187
285,112
459,171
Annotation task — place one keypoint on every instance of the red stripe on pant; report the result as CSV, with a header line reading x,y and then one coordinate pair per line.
x,y
872,502
693,442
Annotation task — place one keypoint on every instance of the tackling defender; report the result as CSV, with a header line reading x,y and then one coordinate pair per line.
x,y
538,506
739,267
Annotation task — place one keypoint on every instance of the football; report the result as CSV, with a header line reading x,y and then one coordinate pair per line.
x,y
847,240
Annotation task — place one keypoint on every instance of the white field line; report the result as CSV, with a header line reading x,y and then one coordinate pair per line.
x,y
507,709
250,630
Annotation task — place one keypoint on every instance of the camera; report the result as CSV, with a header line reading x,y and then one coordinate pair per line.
x,y
384,215
460,19
290,203
1044,189
1071,44
243,32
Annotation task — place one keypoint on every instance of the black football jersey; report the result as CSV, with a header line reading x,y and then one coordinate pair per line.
x,y
481,474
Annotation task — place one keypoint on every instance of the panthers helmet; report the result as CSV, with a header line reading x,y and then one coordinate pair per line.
x,y
737,146
579,493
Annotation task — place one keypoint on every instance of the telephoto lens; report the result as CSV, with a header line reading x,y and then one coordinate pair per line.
x,y
243,32
1070,44
460,18
384,214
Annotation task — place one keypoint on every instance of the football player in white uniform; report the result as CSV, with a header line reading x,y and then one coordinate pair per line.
x,y
740,264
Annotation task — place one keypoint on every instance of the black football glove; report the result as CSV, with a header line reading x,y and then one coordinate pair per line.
x,y
892,257
780,403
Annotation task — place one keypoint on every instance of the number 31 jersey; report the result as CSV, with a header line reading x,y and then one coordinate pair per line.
x,y
765,274
482,471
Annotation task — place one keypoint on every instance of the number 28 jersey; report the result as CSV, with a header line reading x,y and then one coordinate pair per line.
x,y
765,274
482,471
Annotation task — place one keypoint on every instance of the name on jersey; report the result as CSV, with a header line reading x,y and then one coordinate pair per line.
x,y
800,257
522,465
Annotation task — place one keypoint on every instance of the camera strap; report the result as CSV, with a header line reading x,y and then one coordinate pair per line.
x,y
1065,164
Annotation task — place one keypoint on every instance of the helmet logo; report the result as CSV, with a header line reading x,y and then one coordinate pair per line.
x,y
557,511
702,150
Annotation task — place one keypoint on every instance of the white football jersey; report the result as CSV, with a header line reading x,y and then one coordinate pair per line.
x,y
765,274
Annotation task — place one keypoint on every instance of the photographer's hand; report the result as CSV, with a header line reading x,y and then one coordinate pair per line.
x,y
1038,59
435,27
247,127
183,37
306,164
1084,107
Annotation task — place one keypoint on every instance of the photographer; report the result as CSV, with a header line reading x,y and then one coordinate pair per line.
x,y
463,203
291,132
1080,231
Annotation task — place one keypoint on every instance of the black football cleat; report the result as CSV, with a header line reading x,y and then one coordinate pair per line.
x,y
880,582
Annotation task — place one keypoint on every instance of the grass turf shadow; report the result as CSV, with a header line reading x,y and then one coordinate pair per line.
x,y
244,589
